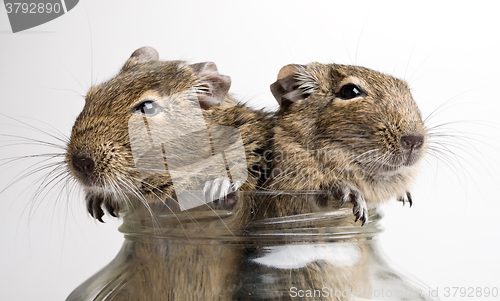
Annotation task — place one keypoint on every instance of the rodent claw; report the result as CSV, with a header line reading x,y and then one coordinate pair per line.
x,y
362,215
99,218
212,190
111,209
220,189
94,207
225,188
90,208
348,194
98,213
406,198
410,200
344,200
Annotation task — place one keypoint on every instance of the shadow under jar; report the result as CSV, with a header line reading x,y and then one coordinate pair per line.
x,y
200,254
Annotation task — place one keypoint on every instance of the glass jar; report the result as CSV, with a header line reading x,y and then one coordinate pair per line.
x,y
209,254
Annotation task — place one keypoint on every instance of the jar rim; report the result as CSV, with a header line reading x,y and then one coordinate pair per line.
x,y
333,223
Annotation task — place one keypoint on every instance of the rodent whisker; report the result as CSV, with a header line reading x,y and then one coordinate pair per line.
x,y
110,185
464,121
446,105
465,140
461,138
363,143
445,157
446,149
346,142
140,196
375,162
363,154
52,179
117,191
353,128
452,143
62,179
153,189
29,171
57,167
49,169
144,201
150,169
455,148
19,158
33,142
382,159
122,195
53,183
340,135
63,138
462,141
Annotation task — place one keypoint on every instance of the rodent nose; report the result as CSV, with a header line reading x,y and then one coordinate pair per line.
x,y
411,142
83,164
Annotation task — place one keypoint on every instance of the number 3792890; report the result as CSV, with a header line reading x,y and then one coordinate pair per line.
x,y
33,8
474,292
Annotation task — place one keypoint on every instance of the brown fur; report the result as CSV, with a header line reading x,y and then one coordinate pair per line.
x,y
102,131
317,142
326,228
322,142
161,269
349,149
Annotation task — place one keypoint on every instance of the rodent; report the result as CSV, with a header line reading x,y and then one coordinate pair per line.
x,y
347,134
353,105
348,130
139,128
119,115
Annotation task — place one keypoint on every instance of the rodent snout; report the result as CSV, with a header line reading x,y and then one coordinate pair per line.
x,y
83,164
412,142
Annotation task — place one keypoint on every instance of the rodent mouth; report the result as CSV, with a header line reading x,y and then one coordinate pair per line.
x,y
385,167
396,164
90,182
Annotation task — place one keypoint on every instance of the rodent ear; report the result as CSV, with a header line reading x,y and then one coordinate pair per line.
x,y
213,86
143,54
287,89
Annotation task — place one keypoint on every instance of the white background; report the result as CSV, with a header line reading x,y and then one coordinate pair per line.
x,y
448,51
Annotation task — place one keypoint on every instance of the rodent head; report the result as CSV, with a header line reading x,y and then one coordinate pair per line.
x,y
114,133
365,117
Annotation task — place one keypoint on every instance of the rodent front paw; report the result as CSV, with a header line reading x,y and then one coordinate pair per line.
x,y
94,207
220,189
348,193
406,198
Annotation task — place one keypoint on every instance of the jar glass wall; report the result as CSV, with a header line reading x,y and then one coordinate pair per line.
x,y
208,254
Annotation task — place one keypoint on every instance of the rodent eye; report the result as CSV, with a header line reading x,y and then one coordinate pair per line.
x,y
349,91
147,108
